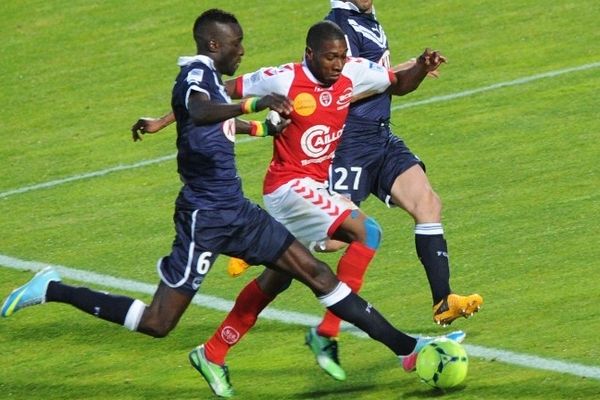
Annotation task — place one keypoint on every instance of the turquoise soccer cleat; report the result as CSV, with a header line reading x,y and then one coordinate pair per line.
x,y
31,293
326,353
217,376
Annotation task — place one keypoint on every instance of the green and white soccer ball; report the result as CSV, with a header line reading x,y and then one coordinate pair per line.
x,y
443,363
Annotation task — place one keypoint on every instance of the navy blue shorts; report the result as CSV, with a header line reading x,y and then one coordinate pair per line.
x,y
247,232
368,160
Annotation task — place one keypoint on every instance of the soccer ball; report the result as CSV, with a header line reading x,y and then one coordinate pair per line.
x,y
443,363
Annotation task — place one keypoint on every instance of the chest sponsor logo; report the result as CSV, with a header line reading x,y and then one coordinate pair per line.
x,y
305,104
318,140
345,98
229,129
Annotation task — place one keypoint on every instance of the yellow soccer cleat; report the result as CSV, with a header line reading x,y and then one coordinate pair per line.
x,y
236,267
454,306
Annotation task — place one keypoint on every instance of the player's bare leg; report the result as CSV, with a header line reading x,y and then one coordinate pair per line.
x,y
413,192
156,320
164,312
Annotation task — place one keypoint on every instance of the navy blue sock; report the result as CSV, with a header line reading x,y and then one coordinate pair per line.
x,y
433,253
357,311
103,305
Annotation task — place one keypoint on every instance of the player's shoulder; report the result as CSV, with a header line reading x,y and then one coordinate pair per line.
x,y
339,16
195,70
361,63
272,73
284,69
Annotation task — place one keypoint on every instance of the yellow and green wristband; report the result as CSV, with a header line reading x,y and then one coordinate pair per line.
x,y
258,129
249,105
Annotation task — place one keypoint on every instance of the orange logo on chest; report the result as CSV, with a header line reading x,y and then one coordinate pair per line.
x,y
305,104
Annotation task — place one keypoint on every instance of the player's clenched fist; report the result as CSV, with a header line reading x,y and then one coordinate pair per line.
x,y
431,60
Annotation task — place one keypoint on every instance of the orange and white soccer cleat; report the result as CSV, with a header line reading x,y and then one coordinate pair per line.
x,y
454,306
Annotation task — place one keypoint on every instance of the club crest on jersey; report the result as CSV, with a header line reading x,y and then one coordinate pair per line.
x,y
318,139
325,99
305,104
229,129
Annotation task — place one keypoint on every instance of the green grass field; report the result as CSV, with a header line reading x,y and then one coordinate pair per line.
x,y
512,153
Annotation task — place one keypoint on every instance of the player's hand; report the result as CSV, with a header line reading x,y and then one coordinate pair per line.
x,y
145,125
431,60
276,102
276,124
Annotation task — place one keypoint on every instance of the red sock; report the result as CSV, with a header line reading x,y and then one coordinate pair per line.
x,y
351,270
249,303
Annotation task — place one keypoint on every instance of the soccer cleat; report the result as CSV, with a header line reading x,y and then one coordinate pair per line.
x,y
409,362
31,293
326,352
236,267
454,306
217,376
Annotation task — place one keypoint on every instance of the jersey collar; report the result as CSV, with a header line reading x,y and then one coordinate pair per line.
x,y
343,5
187,60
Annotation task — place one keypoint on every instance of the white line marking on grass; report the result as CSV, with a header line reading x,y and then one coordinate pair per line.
x,y
86,176
495,86
95,174
291,317
435,99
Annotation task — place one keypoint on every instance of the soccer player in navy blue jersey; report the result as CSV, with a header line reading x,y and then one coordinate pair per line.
x,y
212,216
370,159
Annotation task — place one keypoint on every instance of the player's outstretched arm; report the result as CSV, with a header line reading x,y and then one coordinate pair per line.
x,y
203,111
409,64
150,125
409,75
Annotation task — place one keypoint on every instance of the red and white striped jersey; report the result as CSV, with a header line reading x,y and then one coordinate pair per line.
x,y
306,147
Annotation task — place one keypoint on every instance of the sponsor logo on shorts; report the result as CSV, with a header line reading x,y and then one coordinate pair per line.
x,y
230,335
196,283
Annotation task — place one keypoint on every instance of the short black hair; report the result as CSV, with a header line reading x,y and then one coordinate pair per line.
x,y
321,32
205,22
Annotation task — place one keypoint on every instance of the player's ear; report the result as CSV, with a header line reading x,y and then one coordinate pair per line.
x,y
213,45
308,53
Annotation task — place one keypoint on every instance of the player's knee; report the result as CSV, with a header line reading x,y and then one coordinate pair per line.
x,y
272,283
162,329
372,233
323,279
157,327
428,208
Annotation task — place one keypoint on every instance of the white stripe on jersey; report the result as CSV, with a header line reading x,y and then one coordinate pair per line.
x,y
376,36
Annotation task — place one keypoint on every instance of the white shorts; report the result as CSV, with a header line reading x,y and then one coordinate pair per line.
x,y
308,209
